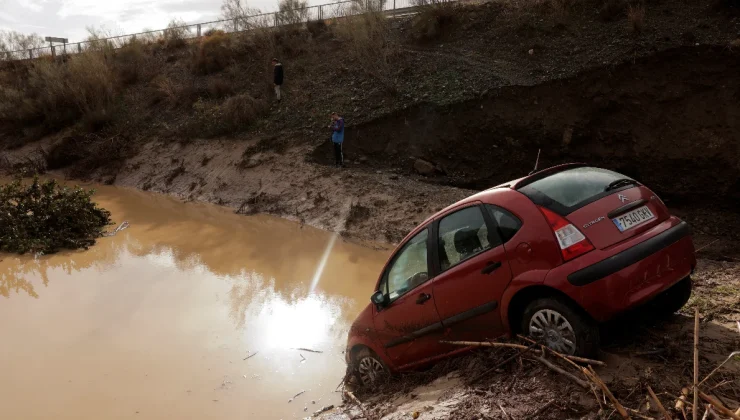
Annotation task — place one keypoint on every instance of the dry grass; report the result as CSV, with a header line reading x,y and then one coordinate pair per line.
x,y
612,10
636,18
131,62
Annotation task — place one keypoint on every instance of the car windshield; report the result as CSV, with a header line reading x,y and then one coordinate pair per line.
x,y
566,191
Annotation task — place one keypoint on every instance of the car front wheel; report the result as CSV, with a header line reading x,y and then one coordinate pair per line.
x,y
553,322
368,367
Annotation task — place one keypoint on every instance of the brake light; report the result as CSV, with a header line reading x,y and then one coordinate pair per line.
x,y
572,242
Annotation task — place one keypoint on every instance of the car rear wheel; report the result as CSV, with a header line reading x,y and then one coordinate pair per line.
x,y
368,367
673,299
564,329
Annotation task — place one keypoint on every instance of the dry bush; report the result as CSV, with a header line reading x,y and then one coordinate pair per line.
x,y
131,62
242,110
57,94
213,54
432,21
636,18
292,12
176,34
219,88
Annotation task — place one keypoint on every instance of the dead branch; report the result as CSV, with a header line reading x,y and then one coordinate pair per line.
x,y
296,395
696,364
570,376
733,354
658,404
520,347
591,374
251,355
719,406
541,410
309,350
504,411
503,363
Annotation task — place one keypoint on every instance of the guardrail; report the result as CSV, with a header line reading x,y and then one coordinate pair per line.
x,y
239,24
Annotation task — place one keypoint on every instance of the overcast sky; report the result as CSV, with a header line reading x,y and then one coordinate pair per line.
x,y
69,18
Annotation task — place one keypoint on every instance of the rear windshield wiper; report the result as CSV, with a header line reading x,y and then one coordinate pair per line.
x,y
622,182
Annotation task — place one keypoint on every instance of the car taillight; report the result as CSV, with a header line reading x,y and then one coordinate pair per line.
x,y
572,242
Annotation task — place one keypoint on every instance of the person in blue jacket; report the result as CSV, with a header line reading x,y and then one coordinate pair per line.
x,y
337,138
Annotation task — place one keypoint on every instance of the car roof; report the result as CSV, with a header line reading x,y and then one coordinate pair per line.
x,y
498,189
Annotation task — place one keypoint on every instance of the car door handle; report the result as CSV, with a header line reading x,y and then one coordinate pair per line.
x,y
423,298
491,267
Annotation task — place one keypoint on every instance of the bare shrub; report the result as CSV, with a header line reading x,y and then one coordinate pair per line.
x,y
213,54
291,12
242,110
15,41
636,18
176,34
240,15
219,88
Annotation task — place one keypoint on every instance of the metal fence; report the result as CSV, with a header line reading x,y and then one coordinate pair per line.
x,y
239,24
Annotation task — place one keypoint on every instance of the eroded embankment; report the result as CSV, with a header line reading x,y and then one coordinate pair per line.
x,y
671,120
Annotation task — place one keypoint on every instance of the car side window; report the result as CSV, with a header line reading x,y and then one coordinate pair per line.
x,y
462,235
409,267
508,224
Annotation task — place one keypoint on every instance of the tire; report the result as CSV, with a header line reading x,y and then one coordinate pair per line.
x,y
673,299
368,368
564,328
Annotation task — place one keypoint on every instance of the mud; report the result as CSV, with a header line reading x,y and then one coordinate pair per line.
x,y
159,320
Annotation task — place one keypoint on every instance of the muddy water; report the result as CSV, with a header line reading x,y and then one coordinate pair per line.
x,y
157,321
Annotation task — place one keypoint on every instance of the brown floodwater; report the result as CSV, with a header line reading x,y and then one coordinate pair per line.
x,y
156,322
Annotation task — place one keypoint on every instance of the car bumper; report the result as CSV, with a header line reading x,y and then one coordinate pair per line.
x,y
608,283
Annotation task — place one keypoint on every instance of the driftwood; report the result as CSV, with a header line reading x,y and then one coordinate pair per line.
x,y
658,404
520,347
719,406
696,364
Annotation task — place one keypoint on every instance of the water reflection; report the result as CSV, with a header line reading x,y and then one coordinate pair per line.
x,y
157,320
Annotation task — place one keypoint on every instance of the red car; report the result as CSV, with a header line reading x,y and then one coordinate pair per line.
x,y
550,255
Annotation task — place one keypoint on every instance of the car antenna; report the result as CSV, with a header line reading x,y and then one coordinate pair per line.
x,y
536,162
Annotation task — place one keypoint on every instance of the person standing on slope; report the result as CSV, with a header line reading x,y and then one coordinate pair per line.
x,y
337,138
277,77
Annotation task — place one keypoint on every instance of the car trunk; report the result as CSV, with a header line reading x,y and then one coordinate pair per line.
x,y
619,216
607,207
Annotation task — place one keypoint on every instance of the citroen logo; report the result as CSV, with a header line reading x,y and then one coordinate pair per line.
x,y
622,198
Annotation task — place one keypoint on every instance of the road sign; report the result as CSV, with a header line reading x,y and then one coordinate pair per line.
x,y
53,39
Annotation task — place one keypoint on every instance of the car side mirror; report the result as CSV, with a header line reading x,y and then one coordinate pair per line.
x,y
378,298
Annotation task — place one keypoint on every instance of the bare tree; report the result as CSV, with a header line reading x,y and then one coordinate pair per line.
x,y
292,11
15,41
238,13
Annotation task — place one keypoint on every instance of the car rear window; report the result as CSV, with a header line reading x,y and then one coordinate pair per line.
x,y
569,190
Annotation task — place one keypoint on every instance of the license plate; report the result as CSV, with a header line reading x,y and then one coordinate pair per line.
x,y
634,218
